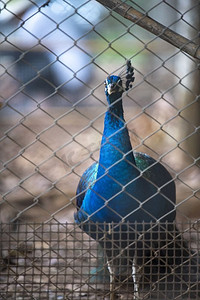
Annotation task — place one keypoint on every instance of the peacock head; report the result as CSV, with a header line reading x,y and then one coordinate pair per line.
x,y
114,84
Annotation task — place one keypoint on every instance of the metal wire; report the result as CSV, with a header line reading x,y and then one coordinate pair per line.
x,y
52,105
57,261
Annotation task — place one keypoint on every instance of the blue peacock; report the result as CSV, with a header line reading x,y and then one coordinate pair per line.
x,y
124,193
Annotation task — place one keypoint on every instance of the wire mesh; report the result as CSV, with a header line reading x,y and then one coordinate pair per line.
x,y
59,261
54,58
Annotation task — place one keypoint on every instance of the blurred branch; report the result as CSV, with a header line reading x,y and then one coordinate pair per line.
x,y
153,26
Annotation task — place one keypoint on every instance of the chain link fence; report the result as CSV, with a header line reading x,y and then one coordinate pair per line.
x,y
54,58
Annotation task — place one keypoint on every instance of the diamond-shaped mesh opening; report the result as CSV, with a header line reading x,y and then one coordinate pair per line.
x,y
54,59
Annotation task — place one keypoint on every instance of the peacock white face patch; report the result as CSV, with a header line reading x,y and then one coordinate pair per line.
x,y
106,85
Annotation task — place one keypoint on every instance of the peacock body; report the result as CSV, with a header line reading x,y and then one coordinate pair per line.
x,y
126,187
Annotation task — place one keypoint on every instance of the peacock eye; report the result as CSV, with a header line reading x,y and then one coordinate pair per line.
x,y
119,82
105,83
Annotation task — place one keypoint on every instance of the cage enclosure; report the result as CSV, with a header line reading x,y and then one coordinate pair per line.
x,y
99,149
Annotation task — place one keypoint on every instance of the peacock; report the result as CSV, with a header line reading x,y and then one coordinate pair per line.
x,y
124,197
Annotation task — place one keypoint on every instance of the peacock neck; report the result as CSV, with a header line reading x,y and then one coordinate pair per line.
x,y
115,143
114,122
115,111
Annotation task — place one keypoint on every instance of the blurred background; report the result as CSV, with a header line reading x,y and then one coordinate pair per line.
x,y
53,61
